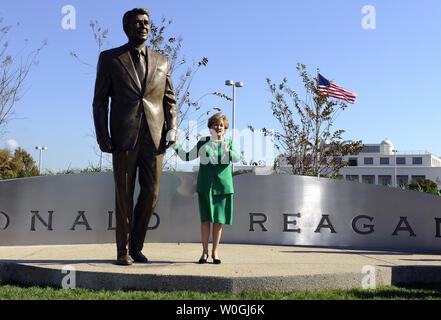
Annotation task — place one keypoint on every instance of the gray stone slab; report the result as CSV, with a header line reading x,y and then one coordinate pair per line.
x,y
244,267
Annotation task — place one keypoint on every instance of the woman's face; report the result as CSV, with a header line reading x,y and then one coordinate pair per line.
x,y
218,129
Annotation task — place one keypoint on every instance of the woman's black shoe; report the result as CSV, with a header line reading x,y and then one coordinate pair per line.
x,y
202,260
216,261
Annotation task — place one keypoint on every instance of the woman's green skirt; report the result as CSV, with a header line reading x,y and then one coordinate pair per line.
x,y
216,208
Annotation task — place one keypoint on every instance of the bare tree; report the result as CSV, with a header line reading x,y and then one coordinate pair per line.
x,y
188,107
14,70
306,141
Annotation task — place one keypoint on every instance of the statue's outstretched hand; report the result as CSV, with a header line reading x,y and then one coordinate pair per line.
x,y
163,148
170,144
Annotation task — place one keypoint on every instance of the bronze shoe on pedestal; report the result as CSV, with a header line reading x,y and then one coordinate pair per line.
x,y
137,256
124,260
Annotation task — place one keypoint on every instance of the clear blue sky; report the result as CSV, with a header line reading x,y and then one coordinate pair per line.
x,y
393,68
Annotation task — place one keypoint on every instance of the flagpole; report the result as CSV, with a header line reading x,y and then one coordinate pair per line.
x,y
317,152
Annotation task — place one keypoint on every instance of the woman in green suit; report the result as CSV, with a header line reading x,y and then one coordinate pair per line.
x,y
215,182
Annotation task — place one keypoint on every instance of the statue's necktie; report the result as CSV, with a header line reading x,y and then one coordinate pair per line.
x,y
140,67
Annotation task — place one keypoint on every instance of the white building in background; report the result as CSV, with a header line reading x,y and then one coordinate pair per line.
x,y
380,163
376,164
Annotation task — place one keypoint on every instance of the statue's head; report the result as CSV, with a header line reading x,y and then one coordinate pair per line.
x,y
136,24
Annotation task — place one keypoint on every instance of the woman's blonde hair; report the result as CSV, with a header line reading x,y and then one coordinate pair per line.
x,y
217,118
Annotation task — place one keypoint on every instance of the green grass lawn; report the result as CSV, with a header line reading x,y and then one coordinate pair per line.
x,y
12,292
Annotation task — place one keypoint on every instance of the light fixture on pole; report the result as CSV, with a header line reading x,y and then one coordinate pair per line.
x,y
239,85
395,167
41,151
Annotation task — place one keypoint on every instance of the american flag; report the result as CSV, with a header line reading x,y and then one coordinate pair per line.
x,y
327,88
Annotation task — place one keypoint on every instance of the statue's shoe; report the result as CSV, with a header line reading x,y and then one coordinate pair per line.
x,y
125,260
139,257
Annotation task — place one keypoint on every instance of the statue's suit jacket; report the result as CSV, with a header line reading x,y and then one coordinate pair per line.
x,y
117,79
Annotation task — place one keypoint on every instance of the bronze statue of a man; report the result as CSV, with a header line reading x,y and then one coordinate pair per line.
x,y
143,124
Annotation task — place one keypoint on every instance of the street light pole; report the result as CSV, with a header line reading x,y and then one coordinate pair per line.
x,y
234,84
395,167
41,151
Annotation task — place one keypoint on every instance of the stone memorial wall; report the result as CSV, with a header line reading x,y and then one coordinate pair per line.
x,y
268,209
